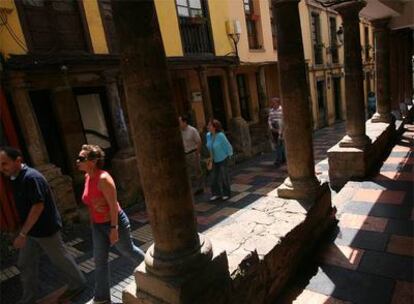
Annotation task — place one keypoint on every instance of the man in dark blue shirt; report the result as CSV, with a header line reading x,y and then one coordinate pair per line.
x,y
41,224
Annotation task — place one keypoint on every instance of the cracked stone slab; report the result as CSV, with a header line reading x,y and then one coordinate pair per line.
x,y
259,227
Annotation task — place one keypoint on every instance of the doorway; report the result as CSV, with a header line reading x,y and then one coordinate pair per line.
x,y
215,85
49,127
320,88
336,82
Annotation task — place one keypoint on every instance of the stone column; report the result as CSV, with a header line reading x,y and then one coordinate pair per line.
x,y
61,185
205,92
263,98
175,263
382,68
27,120
117,113
239,127
302,182
124,164
70,123
407,47
354,83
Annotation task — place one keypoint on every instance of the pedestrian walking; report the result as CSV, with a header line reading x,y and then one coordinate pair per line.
x,y
220,151
40,231
192,148
372,104
275,123
110,225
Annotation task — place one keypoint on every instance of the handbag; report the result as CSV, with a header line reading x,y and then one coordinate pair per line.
x,y
209,164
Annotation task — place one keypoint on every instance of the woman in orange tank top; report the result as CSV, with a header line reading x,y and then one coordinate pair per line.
x,y
110,225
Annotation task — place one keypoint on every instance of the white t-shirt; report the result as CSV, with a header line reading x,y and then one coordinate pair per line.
x,y
191,138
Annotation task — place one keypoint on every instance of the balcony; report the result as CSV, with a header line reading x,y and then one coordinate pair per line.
x,y
195,34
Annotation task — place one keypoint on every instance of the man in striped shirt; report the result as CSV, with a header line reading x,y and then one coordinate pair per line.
x,y
275,122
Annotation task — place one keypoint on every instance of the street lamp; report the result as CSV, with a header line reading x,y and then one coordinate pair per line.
x,y
233,29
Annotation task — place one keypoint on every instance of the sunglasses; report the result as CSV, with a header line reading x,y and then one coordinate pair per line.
x,y
81,159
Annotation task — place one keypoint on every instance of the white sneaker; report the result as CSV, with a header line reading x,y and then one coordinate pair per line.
x,y
214,198
225,198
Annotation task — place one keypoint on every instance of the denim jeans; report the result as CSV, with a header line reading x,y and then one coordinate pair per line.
x,y
28,263
280,151
220,185
101,245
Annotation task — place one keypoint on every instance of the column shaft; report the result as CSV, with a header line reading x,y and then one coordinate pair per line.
x,y
159,147
117,113
354,83
27,120
205,92
382,67
296,111
233,92
70,123
263,98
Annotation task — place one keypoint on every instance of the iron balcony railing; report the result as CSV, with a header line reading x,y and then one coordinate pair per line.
x,y
196,37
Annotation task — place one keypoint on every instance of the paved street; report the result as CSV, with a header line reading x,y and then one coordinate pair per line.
x,y
250,181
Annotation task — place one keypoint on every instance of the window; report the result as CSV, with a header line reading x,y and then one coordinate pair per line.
x,y
93,120
54,25
333,44
251,24
194,27
273,25
316,38
243,96
189,8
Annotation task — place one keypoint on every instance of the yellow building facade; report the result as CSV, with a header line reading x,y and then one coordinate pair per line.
x,y
222,56
323,47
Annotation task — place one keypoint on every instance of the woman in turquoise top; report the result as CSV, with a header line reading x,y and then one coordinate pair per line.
x,y
220,150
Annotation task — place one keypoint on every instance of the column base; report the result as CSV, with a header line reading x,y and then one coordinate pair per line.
x,y
125,172
358,163
202,286
309,189
377,117
62,188
163,265
360,141
241,136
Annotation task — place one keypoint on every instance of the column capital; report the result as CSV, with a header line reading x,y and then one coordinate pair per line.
x,y
201,69
17,80
110,76
350,10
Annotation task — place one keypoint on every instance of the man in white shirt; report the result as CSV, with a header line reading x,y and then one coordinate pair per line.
x,y
192,148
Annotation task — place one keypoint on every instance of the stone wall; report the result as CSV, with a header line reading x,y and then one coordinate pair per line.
x,y
282,233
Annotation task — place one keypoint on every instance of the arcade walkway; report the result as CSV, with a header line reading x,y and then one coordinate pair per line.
x,y
369,257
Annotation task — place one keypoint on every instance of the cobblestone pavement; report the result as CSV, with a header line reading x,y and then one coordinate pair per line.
x,y
251,180
369,257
